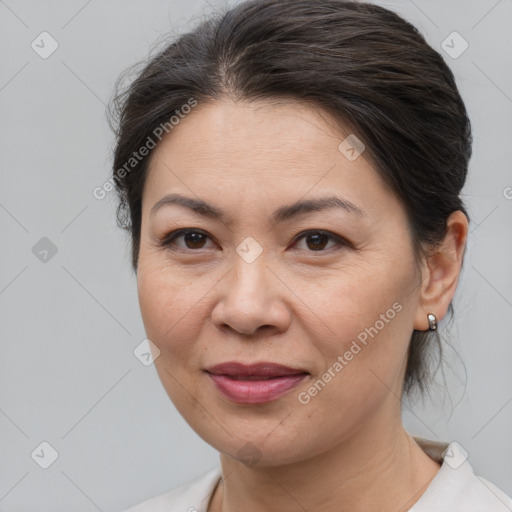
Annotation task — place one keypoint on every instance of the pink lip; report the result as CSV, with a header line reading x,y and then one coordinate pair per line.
x,y
255,383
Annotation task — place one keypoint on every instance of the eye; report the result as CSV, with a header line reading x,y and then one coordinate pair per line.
x,y
316,240
193,239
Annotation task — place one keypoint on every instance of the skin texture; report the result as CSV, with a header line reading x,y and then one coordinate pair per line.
x,y
296,304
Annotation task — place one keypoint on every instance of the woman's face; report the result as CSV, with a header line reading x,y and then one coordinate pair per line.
x,y
250,287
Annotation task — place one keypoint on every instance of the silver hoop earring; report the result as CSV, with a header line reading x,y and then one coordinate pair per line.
x,y
432,322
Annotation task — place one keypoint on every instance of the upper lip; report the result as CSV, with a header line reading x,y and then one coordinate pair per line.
x,y
263,369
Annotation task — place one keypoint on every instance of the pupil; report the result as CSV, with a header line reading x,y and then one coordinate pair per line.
x,y
316,239
193,238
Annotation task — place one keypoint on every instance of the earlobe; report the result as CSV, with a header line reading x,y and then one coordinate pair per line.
x,y
441,272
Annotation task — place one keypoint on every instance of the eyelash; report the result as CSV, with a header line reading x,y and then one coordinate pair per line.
x,y
168,240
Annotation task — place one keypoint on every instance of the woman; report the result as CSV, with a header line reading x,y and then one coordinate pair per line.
x,y
290,173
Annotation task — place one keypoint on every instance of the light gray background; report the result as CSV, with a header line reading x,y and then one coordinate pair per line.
x,y
69,325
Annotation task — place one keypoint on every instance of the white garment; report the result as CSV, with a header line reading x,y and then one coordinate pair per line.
x,y
455,488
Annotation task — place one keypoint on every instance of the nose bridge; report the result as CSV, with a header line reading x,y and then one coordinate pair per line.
x,y
249,299
249,280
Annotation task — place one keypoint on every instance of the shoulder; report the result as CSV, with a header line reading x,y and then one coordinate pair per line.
x,y
192,496
456,488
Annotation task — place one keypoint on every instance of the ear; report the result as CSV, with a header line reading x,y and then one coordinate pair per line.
x,y
440,273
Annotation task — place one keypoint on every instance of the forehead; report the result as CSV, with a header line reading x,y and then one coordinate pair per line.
x,y
271,150
280,133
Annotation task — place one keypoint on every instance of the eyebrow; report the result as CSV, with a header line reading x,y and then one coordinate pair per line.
x,y
282,214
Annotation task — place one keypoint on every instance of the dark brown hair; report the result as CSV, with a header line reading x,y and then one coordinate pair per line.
x,y
365,65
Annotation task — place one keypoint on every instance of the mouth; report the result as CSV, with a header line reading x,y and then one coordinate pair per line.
x,y
255,383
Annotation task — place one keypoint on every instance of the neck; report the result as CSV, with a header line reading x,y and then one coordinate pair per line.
x,y
378,468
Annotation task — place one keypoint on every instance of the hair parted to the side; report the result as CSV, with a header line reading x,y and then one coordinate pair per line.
x,y
365,65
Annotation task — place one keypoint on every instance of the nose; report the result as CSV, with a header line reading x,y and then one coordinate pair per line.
x,y
251,298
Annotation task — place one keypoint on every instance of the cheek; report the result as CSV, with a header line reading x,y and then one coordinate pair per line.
x,y
349,302
167,303
363,362
366,322
171,311
175,310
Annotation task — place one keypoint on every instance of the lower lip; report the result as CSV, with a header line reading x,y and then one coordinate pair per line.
x,y
255,391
